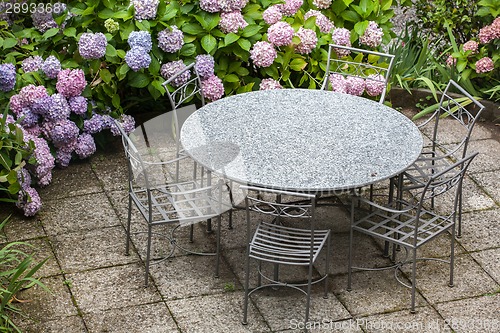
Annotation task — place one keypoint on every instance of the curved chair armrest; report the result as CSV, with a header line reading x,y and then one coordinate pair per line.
x,y
385,208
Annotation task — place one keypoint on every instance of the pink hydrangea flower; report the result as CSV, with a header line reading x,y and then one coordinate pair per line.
x,y
372,36
323,22
280,34
272,14
212,88
30,93
290,7
269,84
70,82
484,65
471,46
355,85
232,5
342,36
338,83
263,54
490,32
211,6
308,40
451,61
322,4
374,84
232,22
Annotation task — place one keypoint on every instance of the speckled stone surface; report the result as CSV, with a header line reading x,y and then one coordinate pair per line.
x,y
301,140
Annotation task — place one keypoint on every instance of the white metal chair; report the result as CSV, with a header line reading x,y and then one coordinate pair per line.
x,y
445,147
409,223
164,199
373,67
277,244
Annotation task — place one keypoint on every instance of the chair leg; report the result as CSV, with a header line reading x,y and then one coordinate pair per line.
x,y
217,252
148,255
413,280
328,249
129,219
309,287
452,257
349,264
459,231
191,233
230,223
247,279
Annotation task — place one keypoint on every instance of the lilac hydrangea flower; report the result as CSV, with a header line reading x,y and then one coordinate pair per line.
x,y
204,65
29,201
140,38
137,58
263,54
280,34
170,40
78,105
451,61
145,9
374,84
127,122
269,84
28,118
338,83
63,155
59,109
16,104
24,178
232,5
169,69
212,88
355,85
323,22
92,45
33,131
322,4
372,36
7,77
308,40
290,7
71,82
232,22
471,46
95,124
51,67
43,20
489,32
63,132
484,65
85,146
30,93
272,14
45,161
211,6
32,64
341,36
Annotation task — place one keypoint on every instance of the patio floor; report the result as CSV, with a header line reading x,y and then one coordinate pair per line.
x,y
97,288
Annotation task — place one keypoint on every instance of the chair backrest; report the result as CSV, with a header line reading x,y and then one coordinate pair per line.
x,y
446,181
464,110
373,67
179,94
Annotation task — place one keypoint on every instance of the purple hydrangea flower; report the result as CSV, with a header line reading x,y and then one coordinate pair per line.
x,y
374,84
472,46
7,77
280,34
59,109
140,38
171,68
95,124
263,54
355,85
45,161
338,83
290,7
272,14
323,22
137,58
28,118
232,5
232,22
128,123
92,46
33,131
211,6
43,20
212,88
484,65
29,201
63,132
32,64
30,93
71,82
170,40
342,36
308,40
204,65
64,154
372,36
51,67
322,4
16,104
24,178
145,9
269,84
78,105
85,146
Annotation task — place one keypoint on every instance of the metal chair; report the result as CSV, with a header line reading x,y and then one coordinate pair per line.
x,y
409,223
373,67
280,245
163,199
445,147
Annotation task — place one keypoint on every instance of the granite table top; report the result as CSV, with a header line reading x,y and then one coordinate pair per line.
x,y
301,140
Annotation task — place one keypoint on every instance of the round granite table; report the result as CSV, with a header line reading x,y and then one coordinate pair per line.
x,y
301,140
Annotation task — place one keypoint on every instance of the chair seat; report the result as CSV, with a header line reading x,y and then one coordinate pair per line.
x,y
426,166
398,226
285,245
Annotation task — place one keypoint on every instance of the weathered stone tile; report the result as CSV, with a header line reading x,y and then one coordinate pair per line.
x,y
489,182
490,262
480,230
72,324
